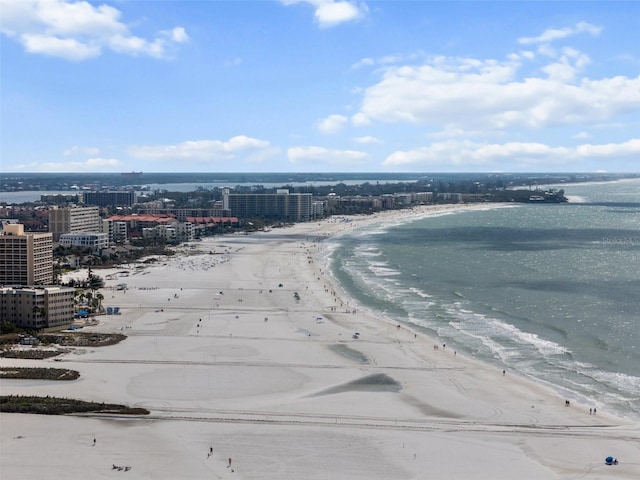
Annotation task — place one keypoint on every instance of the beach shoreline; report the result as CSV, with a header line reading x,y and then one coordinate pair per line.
x,y
245,345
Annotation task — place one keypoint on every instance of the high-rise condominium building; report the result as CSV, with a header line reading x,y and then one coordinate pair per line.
x,y
73,220
282,205
108,199
25,258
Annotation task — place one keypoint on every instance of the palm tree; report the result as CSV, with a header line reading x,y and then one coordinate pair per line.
x,y
80,296
99,297
89,297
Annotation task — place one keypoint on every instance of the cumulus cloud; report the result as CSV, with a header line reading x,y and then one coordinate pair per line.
x,y
79,31
553,34
467,93
202,150
367,140
321,155
455,153
332,124
329,13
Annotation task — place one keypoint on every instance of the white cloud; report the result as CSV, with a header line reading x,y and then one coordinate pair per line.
x,y
628,149
103,162
67,48
235,62
202,150
90,165
581,135
367,140
321,155
332,124
365,62
79,31
454,153
75,150
360,119
329,13
553,34
179,35
467,93
387,60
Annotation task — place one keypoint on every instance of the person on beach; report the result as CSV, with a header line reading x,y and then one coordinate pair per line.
x,y
229,462
94,442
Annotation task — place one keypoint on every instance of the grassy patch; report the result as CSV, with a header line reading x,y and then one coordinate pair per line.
x,y
31,354
38,373
77,339
60,406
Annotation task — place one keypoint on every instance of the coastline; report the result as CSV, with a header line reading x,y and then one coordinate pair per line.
x,y
561,389
225,357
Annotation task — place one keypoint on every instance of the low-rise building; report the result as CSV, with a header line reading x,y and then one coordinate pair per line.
x,y
93,241
174,232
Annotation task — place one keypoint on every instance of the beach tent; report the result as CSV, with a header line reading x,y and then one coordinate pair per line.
x,y
611,460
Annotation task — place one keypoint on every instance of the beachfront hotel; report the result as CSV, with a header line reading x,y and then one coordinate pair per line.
x,y
282,205
25,258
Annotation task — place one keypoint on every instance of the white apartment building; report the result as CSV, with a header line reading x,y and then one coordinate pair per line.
x,y
93,241
175,232
116,231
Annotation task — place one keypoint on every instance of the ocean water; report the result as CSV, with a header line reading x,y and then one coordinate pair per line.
x,y
549,291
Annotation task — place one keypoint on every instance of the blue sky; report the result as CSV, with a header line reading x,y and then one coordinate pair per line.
x,y
319,86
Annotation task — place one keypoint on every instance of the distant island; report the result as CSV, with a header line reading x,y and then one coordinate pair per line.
x,y
131,174
443,182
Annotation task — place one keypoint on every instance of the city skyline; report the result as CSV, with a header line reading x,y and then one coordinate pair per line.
x,y
319,86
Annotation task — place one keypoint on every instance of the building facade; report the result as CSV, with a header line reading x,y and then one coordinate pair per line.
x,y
284,206
174,232
42,307
73,220
25,258
182,214
61,198
93,241
109,199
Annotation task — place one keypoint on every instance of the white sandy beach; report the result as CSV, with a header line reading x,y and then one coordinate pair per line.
x,y
224,357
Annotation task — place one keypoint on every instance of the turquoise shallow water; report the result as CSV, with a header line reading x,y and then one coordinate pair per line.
x,y
550,291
